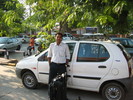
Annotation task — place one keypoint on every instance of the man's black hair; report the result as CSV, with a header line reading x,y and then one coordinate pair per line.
x,y
59,34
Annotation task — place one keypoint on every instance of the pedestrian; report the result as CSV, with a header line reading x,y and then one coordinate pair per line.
x,y
31,46
58,57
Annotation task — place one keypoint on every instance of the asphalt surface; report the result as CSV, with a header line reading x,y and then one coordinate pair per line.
x,y
11,88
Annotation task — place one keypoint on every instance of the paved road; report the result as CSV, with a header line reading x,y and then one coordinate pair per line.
x,y
19,55
11,87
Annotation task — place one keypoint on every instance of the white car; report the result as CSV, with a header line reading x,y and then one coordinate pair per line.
x,y
94,66
39,40
23,38
9,43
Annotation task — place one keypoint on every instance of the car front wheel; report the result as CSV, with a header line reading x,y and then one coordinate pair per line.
x,y
18,47
29,80
113,91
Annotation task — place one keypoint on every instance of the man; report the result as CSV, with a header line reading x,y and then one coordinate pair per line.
x,y
58,57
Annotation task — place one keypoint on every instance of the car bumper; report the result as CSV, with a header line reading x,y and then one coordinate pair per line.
x,y
18,72
127,82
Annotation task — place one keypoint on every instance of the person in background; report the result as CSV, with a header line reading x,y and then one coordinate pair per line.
x,y
58,57
31,46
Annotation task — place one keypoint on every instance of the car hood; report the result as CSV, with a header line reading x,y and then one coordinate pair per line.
x,y
28,58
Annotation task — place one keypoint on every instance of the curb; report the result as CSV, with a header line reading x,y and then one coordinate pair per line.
x,y
10,62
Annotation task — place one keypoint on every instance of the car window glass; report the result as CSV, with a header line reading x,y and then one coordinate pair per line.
x,y
10,40
71,48
14,40
130,43
92,53
103,54
19,36
3,40
123,42
43,57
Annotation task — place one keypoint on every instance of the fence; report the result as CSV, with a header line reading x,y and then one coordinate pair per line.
x,y
6,52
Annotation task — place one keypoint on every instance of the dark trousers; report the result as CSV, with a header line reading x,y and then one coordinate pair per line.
x,y
56,69
29,48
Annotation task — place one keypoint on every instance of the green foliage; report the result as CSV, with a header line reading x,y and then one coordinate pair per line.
x,y
47,39
11,13
81,13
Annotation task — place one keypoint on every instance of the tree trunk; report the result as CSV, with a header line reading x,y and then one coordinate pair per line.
x,y
64,27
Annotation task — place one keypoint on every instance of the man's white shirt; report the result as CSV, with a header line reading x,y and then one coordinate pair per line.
x,y
58,53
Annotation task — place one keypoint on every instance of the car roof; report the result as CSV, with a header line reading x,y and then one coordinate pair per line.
x,y
120,38
5,37
85,41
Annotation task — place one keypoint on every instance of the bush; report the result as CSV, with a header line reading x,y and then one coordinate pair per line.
x,y
44,43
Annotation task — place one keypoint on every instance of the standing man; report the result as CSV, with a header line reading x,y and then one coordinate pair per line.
x,y
58,57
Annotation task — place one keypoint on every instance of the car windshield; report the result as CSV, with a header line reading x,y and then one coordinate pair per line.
x,y
125,42
130,42
19,36
3,40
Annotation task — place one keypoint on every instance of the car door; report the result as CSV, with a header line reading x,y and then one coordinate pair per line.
x,y
43,68
10,44
15,43
69,69
92,62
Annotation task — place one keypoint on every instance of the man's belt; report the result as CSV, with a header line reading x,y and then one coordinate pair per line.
x,y
59,63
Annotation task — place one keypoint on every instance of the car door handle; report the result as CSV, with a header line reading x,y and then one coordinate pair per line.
x,y
101,66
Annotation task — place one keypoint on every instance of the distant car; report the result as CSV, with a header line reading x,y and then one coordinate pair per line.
x,y
8,43
23,38
67,36
93,36
126,42
130,37
39,40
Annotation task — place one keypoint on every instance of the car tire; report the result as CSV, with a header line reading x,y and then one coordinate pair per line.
x,y
29,80
19,47
113,91
3,53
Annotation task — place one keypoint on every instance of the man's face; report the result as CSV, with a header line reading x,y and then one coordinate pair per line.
x,y
58,38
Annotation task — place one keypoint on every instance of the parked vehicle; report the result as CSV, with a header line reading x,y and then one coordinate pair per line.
x,y
94,66
40,39
94,36
67,36
9,43
126,42
23,38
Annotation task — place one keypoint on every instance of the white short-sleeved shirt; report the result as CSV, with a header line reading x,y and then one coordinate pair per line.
x,y
58,53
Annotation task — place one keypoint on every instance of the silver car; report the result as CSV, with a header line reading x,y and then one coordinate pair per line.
x,y
9,43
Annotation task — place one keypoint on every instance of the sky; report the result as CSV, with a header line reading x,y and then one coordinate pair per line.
x,y
27,8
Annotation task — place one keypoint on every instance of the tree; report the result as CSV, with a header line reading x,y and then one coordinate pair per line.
x,y
11,13
108,14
